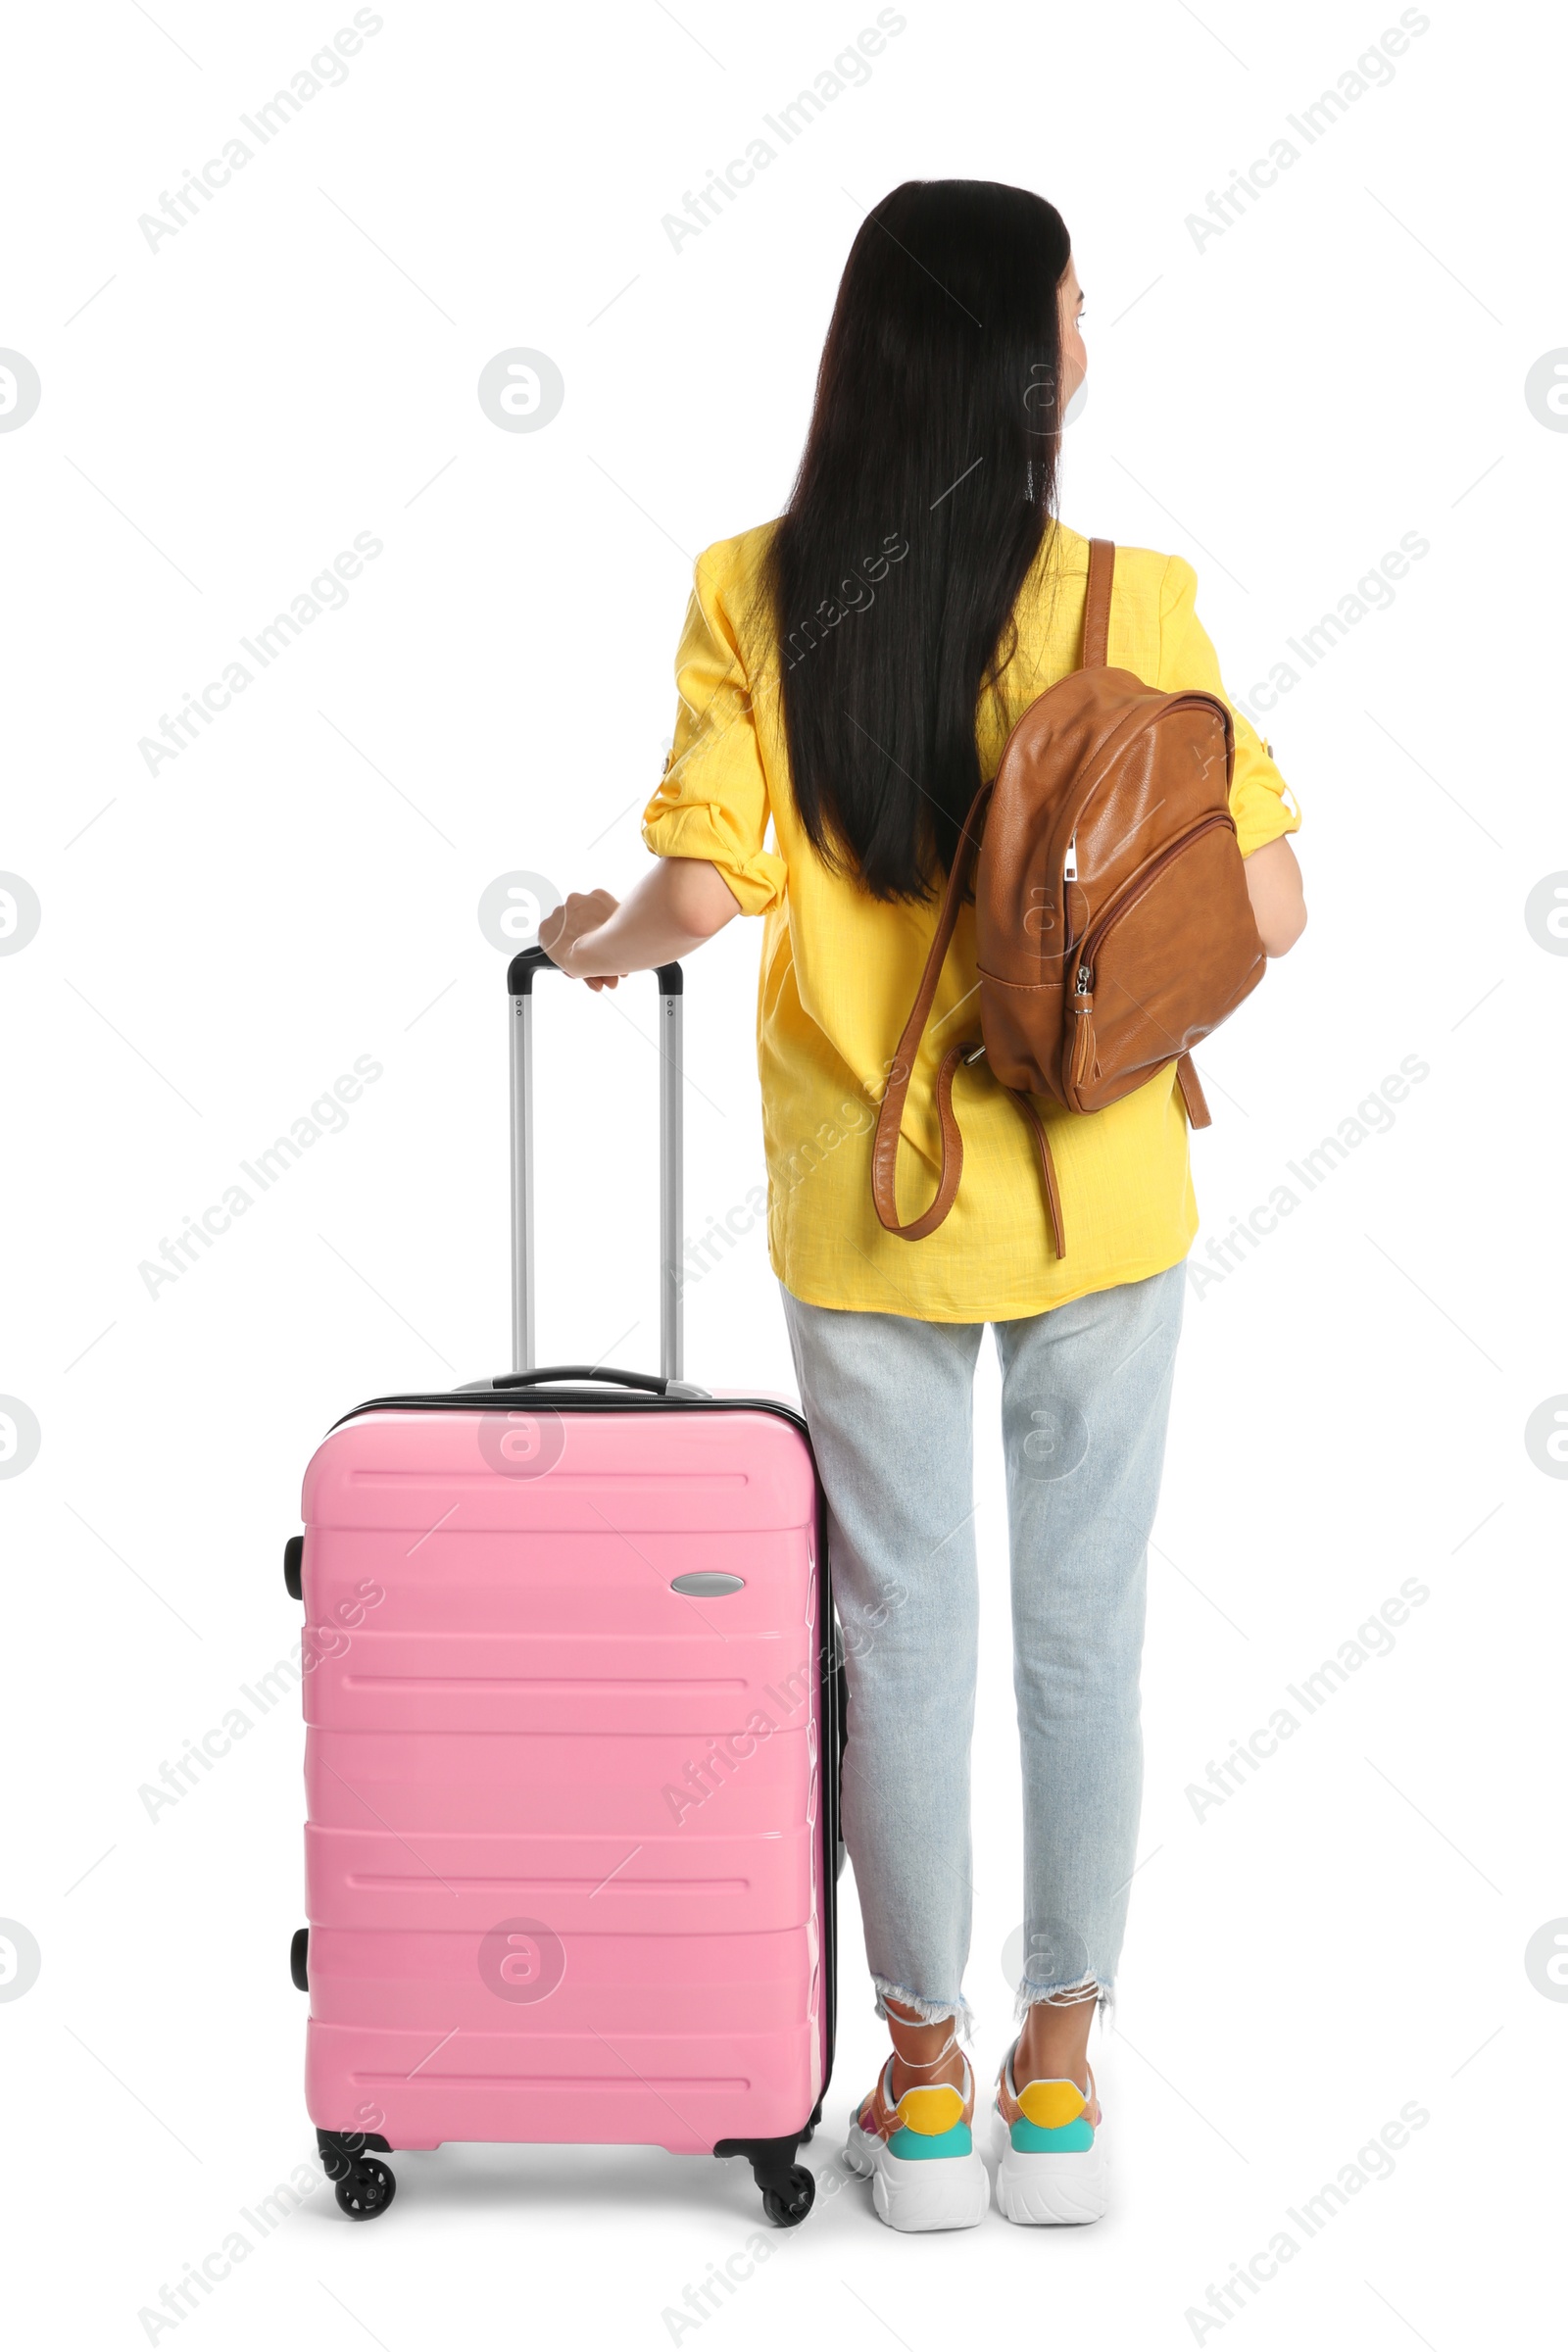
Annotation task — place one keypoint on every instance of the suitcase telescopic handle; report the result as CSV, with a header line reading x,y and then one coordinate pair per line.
x,y
519,991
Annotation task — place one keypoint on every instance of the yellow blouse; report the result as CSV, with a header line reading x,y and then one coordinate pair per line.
x,y
840,969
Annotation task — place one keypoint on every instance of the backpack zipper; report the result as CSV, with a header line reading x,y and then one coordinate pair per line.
x,y
1084,1061
1129,897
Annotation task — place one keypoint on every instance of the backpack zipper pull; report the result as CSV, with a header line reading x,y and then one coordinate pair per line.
x,y
1083,1033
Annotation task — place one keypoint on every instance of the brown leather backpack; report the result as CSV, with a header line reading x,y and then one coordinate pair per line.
x,y
1112,922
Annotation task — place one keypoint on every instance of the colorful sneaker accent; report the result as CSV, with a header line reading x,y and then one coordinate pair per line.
x,y
918,2154
1050,2158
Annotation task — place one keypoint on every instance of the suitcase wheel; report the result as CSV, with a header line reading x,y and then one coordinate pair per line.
x,y
293,1564
298,1954
367,2190
786,2200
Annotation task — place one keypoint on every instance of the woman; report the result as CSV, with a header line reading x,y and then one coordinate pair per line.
x,y
850,674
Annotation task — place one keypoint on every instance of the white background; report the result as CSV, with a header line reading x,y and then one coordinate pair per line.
x,y
1342,366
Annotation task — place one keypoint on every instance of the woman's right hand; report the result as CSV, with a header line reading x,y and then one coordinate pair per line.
x,y
562,935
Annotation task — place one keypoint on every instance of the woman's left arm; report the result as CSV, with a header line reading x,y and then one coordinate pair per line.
x,y
1274,886
1187,660
682,903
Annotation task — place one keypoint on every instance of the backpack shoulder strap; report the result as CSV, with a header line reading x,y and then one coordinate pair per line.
x,y
1096,603
1192,1097
885,1148
889,1116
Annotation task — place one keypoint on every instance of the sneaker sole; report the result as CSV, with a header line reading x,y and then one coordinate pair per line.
x,y
919,2192
1056,2189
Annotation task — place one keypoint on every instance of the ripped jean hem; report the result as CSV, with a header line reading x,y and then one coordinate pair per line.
x,y
1066,1997
934,2013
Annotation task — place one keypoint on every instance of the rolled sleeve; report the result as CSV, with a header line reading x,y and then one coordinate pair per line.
x,y
1261,802
712,801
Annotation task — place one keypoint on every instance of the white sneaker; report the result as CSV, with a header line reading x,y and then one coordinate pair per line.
x,y
1051,2152
918,2154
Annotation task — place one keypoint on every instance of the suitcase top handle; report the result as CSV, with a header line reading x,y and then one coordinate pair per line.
x,y
654,1382
521,970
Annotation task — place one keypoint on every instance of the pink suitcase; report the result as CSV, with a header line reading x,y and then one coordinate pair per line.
x,y
573,1729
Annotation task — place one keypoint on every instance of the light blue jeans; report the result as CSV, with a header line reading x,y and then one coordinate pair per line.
x,y
1085,1397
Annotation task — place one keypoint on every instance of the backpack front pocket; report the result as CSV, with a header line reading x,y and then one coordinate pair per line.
x,y
1163,965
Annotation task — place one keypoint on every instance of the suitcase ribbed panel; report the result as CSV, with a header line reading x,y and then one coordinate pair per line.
x,y
564,1856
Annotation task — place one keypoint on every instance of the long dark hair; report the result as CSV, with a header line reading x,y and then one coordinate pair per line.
x,y
925,489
